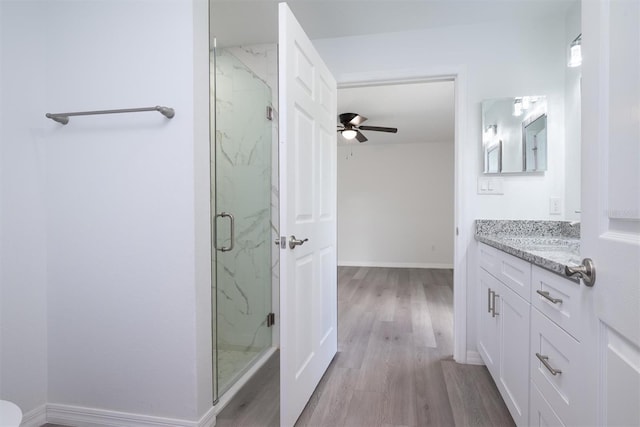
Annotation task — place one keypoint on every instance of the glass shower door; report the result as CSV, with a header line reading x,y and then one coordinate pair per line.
x,y
242,164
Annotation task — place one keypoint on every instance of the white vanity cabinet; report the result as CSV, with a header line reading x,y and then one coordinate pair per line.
x,y
529,338
558,369
503,333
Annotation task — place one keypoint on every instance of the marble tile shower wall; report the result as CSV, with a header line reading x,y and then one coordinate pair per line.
x,y
244,153
262,59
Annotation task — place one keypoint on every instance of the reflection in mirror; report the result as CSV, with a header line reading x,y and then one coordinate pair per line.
x,y
515,134
534,136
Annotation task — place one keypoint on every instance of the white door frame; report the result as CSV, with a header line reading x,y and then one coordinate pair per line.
x,y
463,222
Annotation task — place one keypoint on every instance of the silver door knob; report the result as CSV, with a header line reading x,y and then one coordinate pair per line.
x,y
293,242
586,271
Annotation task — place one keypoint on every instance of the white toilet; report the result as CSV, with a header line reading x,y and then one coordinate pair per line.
x,y
10,414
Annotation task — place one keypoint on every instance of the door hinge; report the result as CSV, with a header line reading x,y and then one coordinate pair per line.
x,y
271,320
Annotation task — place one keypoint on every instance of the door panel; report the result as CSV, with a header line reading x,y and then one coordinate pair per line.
x,y
308,191
303,312
622,365
611,209
302,144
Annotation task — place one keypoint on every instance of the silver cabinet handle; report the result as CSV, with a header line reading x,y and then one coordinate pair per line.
x,y
293,242
586,271
493,313
546,295
232,227
544,360
489,300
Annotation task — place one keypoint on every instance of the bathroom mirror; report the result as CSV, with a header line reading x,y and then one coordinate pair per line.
x,y
514,138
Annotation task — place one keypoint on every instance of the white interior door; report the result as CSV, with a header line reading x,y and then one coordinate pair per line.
x,y
611,207
308,280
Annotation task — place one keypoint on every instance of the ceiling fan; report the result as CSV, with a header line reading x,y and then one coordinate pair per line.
x,y
351,125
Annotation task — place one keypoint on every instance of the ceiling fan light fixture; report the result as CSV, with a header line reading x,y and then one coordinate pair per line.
x,y
349,133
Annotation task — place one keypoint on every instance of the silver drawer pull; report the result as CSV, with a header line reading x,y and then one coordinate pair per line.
x,y
544,360
494,313
489,300
546,295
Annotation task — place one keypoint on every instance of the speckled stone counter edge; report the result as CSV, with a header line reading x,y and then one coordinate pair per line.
x,y
527,228
490,232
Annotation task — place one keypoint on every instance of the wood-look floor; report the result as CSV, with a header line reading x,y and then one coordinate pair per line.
x,y
394,364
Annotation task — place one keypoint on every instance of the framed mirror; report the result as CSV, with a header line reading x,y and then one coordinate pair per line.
x,y
514,138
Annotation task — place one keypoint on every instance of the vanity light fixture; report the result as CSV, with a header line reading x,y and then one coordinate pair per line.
x,y
490,136
575,52
348,133
517,107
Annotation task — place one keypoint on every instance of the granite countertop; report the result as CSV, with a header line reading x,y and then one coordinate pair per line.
x,y
549,244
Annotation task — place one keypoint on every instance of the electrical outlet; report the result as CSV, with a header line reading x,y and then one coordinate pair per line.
x,y
555,206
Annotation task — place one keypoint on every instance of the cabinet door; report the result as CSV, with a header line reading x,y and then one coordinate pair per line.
x,y
513,380
488,325
541,413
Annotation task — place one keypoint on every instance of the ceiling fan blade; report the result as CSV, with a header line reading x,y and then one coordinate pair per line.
x,y
360,137
351,118
379,129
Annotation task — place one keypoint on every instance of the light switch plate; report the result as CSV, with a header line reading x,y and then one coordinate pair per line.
x,y
490,185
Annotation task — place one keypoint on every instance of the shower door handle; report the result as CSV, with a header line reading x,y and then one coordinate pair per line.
x,y
232,227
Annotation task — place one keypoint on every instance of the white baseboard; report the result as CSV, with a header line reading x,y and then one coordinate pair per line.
x,y
394,264
35,418
473,358
77,416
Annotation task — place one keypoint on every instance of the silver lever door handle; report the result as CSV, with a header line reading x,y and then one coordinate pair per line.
x,y
293,242
586,272
232,236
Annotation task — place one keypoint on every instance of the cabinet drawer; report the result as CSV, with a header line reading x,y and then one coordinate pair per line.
x,y
562,301
561,352
488,258
510,270
541,413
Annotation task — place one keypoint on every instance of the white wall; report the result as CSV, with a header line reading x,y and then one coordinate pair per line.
x,y
120,198
493,60
395,205
23,339
500,60
103,210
